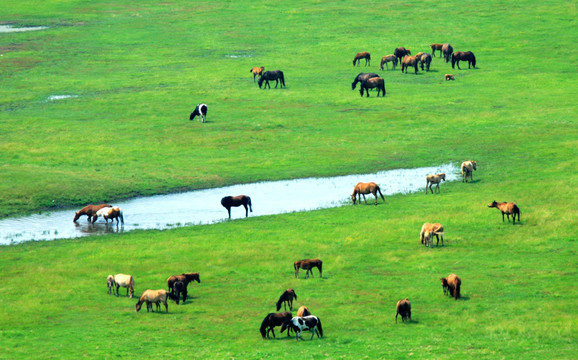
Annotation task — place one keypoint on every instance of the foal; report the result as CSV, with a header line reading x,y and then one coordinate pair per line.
x,y
287,298
434,179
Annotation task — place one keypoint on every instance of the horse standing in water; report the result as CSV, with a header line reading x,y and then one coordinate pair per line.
x,y
90,211
229,201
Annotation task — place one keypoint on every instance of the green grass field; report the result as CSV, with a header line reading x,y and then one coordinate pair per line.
x,y
136,71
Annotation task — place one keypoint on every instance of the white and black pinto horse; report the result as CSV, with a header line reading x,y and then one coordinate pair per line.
x,y
299,324
200,110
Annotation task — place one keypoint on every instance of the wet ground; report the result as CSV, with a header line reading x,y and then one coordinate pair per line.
x,y
204,206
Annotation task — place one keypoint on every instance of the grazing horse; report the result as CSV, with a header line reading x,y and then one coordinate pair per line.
x,y
184,277
272,75
507,208
272,320
428,231
110,284
308,265
449,77
408,61
468,168
388,58
424,58
257,71
299,324
201,111
400,52
125,281
109,213
287,298
452,285
463,56
362,77
89,210
361,189
447,50
372,83
303,311
180,287
403,308
362,55
229,201
434,179
155,297
435,47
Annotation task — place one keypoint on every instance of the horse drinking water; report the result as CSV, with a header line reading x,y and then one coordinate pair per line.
x,y
89,210
229,201
366,188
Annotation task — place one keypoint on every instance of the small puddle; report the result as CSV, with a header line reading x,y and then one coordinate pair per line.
x,y
11,29
60,97
204,206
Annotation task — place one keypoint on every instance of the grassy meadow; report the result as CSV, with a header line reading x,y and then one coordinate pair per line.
x,y
133,73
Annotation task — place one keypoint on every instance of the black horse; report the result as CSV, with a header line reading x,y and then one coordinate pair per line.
x,y
229,201
180,287
272,320
361,77
272,75
463,56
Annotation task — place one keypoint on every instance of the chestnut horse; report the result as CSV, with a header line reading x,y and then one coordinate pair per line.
x,y
229,201
308,264
435,47
257,71
362,55
372,83
303,311
463,56
452,285
507,208
286,298
361,77
89,210
408,61
447,50
361,189
388,58
400,52
272,320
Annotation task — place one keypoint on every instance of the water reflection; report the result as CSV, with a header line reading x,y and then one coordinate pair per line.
x,y
204,206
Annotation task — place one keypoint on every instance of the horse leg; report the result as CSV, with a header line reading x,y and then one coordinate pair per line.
x,y
246,210
364,199
503,217
229,211
117,286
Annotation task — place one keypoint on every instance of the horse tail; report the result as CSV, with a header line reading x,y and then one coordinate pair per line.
x,y
249,200
120,216
282,79
320,267
378,188
457,289
474,60
264,326
319,327
516,211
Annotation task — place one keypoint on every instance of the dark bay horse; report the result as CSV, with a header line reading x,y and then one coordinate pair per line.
x,y
90,211
400,52
362,55
372,83
447,51
463,56
184,277
286,298
229,201
272,320
308,265
361,189
362,76
435,47
270,76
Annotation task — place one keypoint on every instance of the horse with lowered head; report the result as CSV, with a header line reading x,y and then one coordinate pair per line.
x,y
452,285
403,308
468,168
362,55
447,51
428,231
111,213
299,324
308,265
361,77
400,52
424,58
89,210
267,76
408,61
272,320
230,201
386,59
463,56
286,299
361,189
372,83
303,311
184,277
155,297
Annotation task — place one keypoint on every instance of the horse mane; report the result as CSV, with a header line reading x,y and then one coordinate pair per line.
x,y
264,325
280,301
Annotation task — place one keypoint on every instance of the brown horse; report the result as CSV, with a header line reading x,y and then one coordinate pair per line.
x,y
408,61
447,51
89,210
184,277
403,308
180,287
303,311
361,189
434,179
435,47
308,265
452,285
400,52
388,58
362,55
286,298
373,83
272,320
424,58
361,77
257,71
507,209
230,201
463,56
